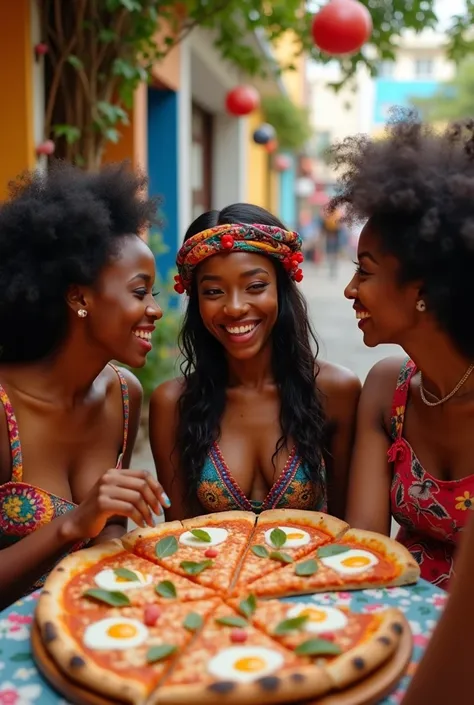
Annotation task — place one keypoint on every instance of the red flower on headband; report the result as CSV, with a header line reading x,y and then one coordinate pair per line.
x,y
298,275
179,286
227,242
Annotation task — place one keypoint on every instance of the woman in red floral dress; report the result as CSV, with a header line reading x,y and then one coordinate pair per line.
x,y
414,454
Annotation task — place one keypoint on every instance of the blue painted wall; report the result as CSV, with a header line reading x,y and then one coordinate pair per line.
x,y
163,168
288,213
390,93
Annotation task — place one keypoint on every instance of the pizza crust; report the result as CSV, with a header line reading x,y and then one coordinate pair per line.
x,y
130,540
67,652
296,684
317,520
367,656
410,570
219,518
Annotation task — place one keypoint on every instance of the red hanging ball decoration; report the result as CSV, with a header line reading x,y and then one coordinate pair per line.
x,y
242,100
271,146
282,162
227,242
47,147
342,27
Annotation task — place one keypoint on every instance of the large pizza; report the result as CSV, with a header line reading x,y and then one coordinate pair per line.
x,y
191,611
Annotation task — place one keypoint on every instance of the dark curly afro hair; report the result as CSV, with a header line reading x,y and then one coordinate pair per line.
x,y
56,230
416,186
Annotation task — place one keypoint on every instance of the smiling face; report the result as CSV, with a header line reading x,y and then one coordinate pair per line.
x,y
121,309
385,309
238,301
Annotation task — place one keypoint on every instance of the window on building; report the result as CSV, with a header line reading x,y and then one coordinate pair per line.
x,y
424,68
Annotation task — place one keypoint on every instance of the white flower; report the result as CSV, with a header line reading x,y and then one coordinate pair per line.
x,y
25,695
378,594
10,630
24,674
398,592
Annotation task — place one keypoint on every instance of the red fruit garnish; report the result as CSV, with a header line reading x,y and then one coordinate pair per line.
x,y
238,636
150,617
227,241
211,553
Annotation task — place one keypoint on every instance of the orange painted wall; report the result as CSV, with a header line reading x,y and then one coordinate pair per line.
x,y
132,144
17,147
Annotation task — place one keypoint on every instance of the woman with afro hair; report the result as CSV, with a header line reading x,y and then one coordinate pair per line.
x,y
414,453
75,293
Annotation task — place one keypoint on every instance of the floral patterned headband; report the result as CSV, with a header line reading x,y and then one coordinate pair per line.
x,y
284,245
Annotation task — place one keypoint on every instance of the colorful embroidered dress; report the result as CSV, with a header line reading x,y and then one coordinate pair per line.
x,y
25,508
295,488
432,513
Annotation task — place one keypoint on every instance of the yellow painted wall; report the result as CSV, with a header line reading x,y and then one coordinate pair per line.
x,y
294,80
261,183
17,147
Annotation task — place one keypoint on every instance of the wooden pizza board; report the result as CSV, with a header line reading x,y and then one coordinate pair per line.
x,y
368,692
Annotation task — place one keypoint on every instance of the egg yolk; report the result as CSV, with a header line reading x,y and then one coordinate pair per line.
x,y
122,631
314,615
250,664
295,536
355,561
122,580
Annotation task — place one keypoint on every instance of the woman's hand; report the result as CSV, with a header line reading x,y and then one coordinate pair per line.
x,y
134,494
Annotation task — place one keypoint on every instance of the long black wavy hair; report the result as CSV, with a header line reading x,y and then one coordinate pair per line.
x,y
205,369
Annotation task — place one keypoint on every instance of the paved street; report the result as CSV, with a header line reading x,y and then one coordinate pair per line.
x,y
335,323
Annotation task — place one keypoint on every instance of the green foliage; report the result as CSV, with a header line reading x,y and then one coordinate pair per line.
x,y
290,121
454,100
162,361
100,52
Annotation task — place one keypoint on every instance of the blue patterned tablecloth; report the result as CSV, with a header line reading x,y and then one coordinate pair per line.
x,y
22,684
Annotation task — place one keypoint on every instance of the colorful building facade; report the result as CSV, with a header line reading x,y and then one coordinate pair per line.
x,y
197,156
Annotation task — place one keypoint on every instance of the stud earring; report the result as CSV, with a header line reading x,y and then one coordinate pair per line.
x,y
82,313
420,306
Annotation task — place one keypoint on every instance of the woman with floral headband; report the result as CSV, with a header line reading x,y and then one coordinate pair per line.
x,y
255,422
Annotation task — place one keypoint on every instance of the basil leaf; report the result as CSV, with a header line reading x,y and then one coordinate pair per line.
x,y
318,647
158,653
193,621
306,568
166,547
278,538
260,551
166,589
332,549
201,535
280,556
192,568
125,574
232,621
247,607
291,625
112,598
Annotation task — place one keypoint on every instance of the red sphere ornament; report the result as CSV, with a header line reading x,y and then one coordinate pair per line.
x,y
47,147
282,162
342,27
242,100
271,146
227,242
41,49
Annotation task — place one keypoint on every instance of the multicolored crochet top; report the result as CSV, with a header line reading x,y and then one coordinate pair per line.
x,y
25,508
295,488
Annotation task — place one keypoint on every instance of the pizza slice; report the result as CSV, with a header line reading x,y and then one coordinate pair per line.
x,y
233,660
121,653
206,549
108,575
283,536
349,645
360,559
